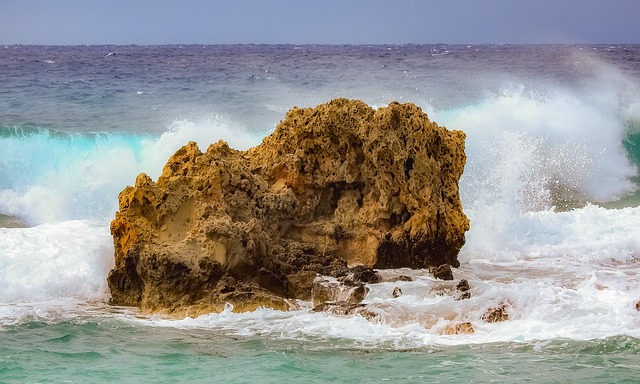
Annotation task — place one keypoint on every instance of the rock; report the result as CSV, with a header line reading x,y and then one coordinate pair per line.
x,y
331,290
459,291
458,328
638,305
362,274
336,185
342,308
300,285
494,315
397,292
463,289
442,272
398,278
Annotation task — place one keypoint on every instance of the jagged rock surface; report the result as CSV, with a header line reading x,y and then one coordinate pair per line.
x,y
336,185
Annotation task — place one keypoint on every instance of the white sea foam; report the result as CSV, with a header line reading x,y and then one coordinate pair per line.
x,y
51,261
522,148
543,303
571,274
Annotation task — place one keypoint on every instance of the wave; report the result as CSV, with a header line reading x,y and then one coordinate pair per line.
x,y
69,259
49,176
532,151
526,151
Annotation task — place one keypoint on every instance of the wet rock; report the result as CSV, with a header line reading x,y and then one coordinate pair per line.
x,y
463,289
442,272
493,315
300,285
638,305
336,185
458,328
460,290
397,292
399,278
342,308
361,274
331,290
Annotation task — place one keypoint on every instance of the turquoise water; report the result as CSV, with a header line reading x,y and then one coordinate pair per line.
x,y
110,351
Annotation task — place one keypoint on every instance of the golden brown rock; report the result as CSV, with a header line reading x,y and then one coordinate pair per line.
x,y
458,329
333,185
494,315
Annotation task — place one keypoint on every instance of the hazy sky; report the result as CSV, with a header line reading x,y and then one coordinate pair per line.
x,y
318,21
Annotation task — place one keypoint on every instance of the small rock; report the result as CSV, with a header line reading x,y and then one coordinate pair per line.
x,y
459,328
638,305
463,289
397,292
459,291
330,290
362,274
442,272
399,278
494,315
343,308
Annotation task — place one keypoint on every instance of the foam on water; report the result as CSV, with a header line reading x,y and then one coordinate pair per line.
x,y
542,305
50,261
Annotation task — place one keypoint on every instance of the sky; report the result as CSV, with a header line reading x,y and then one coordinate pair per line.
x,y
70,22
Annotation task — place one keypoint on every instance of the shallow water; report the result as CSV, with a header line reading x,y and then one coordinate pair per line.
x,y
108,350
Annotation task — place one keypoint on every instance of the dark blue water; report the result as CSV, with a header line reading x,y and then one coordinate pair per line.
x,y
145,88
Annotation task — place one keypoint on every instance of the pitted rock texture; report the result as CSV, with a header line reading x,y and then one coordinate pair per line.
x,y
334,186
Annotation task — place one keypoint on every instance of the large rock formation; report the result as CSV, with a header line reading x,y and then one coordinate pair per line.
x,y
334,186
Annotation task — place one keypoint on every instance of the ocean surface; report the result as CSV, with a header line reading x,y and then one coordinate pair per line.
x,y
550,187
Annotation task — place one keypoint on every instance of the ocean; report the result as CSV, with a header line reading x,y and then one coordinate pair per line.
x,y
550,188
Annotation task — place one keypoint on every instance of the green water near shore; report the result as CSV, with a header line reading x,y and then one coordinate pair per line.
x,y
113,351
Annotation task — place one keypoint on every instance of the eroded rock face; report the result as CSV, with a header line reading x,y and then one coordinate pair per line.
x,y
336,185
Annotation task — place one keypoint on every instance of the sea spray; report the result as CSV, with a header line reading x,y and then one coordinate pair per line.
x,y
542,151
50,176
52,261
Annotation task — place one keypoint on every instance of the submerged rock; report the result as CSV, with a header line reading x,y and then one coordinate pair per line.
x,y
336,185
398,278
459,291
